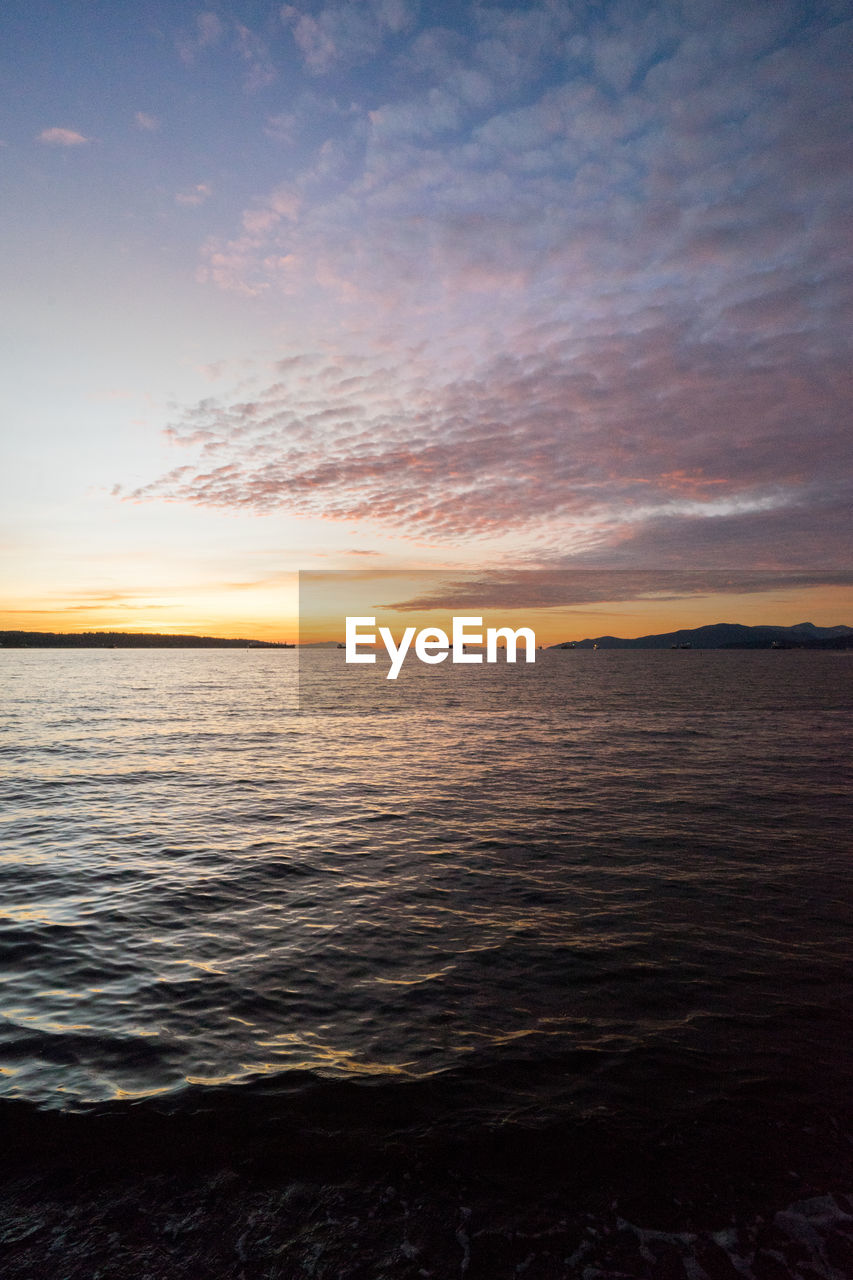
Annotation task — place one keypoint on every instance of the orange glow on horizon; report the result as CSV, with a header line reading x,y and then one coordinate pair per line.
x,y
278,620
284,628
826,606
250,612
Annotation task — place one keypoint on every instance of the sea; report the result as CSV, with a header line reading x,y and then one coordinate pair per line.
x,y
542,970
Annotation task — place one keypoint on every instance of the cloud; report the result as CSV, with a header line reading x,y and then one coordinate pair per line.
x,y
206,34
346,34
282,127
62,138
210,33
583,281
194,195
318,48
209,29
149,124
260,70
522,131
646,446
477,590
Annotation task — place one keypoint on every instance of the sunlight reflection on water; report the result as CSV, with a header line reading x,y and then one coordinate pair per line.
x,y
605,854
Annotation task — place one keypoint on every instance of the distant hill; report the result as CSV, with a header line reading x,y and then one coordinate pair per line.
x,y
729,635
123,640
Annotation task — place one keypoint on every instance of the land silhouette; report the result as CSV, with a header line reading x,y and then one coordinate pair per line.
x,y
727,635
126,640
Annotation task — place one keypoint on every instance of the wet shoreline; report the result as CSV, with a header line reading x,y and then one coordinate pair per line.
x,y
235,1224
246,1192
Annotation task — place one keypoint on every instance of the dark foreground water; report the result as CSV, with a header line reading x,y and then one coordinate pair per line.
x,y
545,972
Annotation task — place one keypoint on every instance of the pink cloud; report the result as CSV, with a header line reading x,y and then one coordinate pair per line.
x,y
205,35
584,281
194,195
260,68
558,587
209,29
346,33
62,138
618,439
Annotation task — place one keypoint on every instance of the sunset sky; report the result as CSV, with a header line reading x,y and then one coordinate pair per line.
x,y
398,284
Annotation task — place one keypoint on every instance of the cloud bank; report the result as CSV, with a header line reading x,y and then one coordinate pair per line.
x,y
580,272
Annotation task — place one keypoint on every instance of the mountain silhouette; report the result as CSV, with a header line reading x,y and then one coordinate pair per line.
x,y
728,635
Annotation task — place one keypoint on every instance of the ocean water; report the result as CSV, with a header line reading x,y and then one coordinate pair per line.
x,y
598,904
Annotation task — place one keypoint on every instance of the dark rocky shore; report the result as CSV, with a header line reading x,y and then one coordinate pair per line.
x,y
105,1202
230,1224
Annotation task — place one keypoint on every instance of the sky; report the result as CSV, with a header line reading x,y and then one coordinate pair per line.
x,y
312,286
